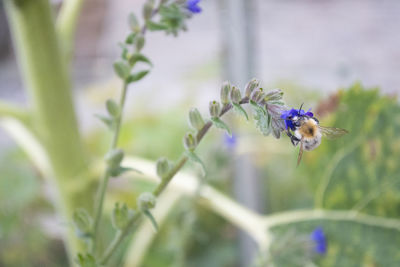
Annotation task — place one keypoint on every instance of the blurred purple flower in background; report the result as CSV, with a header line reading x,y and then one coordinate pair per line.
x,y
318,236
229,141
192,5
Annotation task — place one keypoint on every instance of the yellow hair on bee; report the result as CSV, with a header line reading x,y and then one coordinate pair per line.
x,y
308,129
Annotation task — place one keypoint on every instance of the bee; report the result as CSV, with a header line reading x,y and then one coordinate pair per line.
x,y
302,127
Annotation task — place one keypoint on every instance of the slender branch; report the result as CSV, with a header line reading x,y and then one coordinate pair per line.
x,y
106,175
335,215
326,178
118,239
13,111
67,22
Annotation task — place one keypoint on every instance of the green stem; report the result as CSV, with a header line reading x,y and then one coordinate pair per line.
x,y
13,111
66,25
106,176
160,188
53,114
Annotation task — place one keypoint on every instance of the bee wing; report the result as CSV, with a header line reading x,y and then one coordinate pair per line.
x,y
300,152
332,132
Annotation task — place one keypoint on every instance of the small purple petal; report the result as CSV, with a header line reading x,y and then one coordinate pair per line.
x,y
192,6
318,236
229,141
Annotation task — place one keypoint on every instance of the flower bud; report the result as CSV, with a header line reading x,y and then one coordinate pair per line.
x,y
189,141
225,91
139,42
258,96
163,167
215,109
120,216
274,95
82,222
146,201
114,157
147,10
235,95
195,119
112,108
253,84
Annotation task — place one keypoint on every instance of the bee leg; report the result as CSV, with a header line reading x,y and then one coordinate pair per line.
x,y
293,138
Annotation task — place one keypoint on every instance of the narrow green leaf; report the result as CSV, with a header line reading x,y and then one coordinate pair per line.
x,y
113,108
133,22
153,221
240,110
154,26
139,58
257,107
109,122
122,69
118,171
222,125
194,158
131,37
137,76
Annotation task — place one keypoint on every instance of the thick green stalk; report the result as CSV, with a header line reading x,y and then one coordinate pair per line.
x,y
53,116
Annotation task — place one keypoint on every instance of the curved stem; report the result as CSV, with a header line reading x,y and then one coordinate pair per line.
x,y
326,178
13,111
335,215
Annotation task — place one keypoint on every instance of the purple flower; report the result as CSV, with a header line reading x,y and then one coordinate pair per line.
x,y
287,115
318,236
230,141
192,5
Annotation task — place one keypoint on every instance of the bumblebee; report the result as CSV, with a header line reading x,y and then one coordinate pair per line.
x,y
302,127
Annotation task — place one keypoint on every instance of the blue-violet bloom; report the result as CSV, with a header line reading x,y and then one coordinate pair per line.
x,y
192,6
288,114
318,236
230,141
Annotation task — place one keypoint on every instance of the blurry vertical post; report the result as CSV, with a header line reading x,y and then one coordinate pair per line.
x,y
238,29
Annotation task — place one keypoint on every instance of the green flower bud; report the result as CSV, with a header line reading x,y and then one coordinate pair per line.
x,y
253,84
258,96
113,108
215,109
195,119
114,157
274,95
120,216
163,166
82,222
225,91
146,201
147,10
236,95
139,42
189,141
133,22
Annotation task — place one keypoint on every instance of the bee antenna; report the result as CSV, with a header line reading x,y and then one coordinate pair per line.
x,y
301,106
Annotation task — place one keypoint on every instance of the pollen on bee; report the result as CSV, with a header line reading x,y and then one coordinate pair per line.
x,y
309,129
